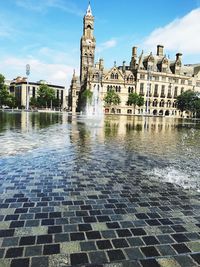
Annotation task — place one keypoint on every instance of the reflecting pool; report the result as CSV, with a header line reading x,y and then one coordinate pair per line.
x,y
163,149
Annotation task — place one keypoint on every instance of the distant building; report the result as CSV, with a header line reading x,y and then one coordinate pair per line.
x,y
155,77
18,88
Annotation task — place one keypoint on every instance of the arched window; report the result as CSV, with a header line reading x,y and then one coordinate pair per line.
x,y
108,88
131,78
162,103
112,76
116,76
168,103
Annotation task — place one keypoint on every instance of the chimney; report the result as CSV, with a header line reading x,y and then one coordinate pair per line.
x,y
101,64
160,49
178,56
124,66
134,51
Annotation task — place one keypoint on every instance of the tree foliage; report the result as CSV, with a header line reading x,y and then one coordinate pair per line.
x,y
46,96
112,98
189,101
87,95
135,100
6,99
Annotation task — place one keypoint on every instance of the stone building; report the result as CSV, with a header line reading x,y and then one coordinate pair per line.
x,y
157,78
18,87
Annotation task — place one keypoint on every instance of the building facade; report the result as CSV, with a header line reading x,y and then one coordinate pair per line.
x,y
155,77
18,87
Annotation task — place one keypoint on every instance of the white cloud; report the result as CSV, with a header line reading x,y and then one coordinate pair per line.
x,y
106,45
181,35
43,5
59,74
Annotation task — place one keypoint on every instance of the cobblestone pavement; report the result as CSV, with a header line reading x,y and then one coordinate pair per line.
x,y
76,208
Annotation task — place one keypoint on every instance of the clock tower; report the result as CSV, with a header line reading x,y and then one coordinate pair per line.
x,y
87,45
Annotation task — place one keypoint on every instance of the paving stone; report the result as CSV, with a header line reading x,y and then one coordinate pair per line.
x,y
104,244
181,248
166,250
20,262
61,237
120,243
184,260
10,242
133,253
14,252
98,257
150,251
39,262
116,255
51,249
27,240
33,251
79,258
88,246
196,257
93,235
43,239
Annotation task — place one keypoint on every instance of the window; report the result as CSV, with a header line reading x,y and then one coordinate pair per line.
x,y
176,91
163,91
182,90
131,78
182,81
156,90
61,96
33,94
118,111
176,80
130,90
142,89
156,78
57,94
198,84
189,82
142,76
169,91
112,76
77,93
163,78
118,89
116,76
162,103
129,111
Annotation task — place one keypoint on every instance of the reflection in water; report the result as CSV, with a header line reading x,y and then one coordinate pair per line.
x,y
162,148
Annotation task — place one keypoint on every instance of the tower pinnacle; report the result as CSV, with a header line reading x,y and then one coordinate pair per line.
x,y
89,10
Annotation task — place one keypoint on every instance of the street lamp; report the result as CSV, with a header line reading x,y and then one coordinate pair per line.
x,y
27,87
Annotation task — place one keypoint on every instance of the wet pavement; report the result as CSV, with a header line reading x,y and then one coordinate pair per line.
x,y
58,210
90,202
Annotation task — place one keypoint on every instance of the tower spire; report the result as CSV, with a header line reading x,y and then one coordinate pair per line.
x,y
89,10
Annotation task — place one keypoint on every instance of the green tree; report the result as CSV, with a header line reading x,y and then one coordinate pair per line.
x,y
112,98
87,96
135,100
33,102
46,95
2,82
189,101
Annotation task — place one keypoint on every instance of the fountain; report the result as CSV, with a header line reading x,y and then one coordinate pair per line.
x,y
94,107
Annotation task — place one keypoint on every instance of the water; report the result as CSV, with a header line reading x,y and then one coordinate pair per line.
x,y
162,149
94,108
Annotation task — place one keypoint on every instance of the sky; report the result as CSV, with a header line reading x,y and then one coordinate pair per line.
x,y
46,34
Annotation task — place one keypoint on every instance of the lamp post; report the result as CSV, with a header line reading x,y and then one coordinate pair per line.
x,y
27,86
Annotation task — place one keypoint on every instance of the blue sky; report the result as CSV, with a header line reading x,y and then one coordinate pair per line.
x,y
46,33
